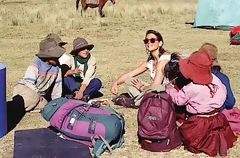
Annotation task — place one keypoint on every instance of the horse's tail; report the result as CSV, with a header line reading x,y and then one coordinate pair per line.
x,y
77,4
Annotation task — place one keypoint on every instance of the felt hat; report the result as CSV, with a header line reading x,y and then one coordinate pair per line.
x,y
48,48
80,44
56,38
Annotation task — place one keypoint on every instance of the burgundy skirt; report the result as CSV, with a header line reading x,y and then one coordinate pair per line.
x,y
211,135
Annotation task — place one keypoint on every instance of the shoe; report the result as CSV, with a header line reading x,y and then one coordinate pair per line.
x,y
125,100
102,102
85,98
69,96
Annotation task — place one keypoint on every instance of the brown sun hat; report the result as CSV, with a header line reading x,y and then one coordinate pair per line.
x,y
48,48
56,38
197,67
80,44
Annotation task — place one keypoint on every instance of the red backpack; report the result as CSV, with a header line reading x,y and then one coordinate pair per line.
x,y
157,129
235,35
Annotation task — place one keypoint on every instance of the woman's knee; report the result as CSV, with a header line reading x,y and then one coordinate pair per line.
x,y
129,80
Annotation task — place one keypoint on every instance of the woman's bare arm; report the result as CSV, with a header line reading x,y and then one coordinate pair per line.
x,y
139,70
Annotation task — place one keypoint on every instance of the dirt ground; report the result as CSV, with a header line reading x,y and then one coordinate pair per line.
x,y
118,49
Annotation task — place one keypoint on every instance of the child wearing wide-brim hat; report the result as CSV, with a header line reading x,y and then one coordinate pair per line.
x,y
80,79
64,59
80,44
43,77
203,96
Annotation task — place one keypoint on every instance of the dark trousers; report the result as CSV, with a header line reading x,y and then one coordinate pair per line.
x,y
71,85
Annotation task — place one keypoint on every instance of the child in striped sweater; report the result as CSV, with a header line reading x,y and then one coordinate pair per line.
x,y
42,80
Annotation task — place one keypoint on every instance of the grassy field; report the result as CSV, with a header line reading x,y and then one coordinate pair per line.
x,y
118,49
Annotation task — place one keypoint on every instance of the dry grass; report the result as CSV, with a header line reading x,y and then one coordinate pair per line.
x,y
118,49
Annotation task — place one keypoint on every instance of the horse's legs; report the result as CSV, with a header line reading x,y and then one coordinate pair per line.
x,y
100,7
81,12
100,11
84,8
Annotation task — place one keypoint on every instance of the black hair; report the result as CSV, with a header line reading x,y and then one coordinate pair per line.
x,y
156,33
171,69
43,59
181,81
172,72
50,58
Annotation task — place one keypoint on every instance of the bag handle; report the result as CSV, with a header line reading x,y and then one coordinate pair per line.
x,y
157,88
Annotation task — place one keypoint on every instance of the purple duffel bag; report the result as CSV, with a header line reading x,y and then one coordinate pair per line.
x,y
99,127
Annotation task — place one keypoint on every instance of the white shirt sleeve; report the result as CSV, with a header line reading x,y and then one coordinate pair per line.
x,y
65,59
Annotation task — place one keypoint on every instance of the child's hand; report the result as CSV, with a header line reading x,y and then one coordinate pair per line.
x,y
72,72
136,83
69,72
77,71
78,95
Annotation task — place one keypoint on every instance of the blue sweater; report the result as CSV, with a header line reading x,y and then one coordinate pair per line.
x,y
230,100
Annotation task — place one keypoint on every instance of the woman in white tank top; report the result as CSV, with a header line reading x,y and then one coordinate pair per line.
x,y
155,64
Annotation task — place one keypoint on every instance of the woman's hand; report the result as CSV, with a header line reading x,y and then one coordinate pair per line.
x,y
137,84
114,88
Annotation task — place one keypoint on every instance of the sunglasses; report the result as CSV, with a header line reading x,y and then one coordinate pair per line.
x,y
152,40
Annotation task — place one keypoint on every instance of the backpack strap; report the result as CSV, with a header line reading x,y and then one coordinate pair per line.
x,y
100,144
158,89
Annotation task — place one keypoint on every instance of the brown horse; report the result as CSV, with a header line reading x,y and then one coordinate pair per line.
x,y
93,4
